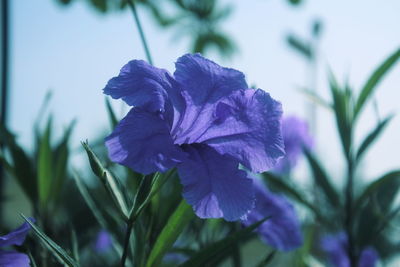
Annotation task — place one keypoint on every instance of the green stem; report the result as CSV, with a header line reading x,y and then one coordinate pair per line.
x,y
126,243
140,29
349,210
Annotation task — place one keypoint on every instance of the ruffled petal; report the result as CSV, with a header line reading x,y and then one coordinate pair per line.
x,y
13,259
282,230
16,237
247,126
142,142
202,83
213,184
140,84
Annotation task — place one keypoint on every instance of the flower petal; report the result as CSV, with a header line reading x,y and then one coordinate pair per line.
x,y
203,83
16,237
296,137
368,258
282,230
13,259
335,247
247,126
213,184
140,84
142,142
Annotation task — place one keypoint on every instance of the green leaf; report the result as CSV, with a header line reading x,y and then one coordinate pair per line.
x,y
111,114
90,201
61,156
110,182
156,184
295,2
219,248
170,233
21,167
343,110
376,186
302,47
372,136
268,258
315,98
322,180
57,251
374,80
94,208
45,165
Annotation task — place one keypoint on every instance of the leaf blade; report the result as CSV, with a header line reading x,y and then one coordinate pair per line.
x,y
374,79
57,251
171,231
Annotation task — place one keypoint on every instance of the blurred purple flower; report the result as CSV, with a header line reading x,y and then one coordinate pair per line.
x,y
203,120
17,237
103,241
296,137
282,230
335,247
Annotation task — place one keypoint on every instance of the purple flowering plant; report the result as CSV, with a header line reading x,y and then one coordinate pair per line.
x,y
199,171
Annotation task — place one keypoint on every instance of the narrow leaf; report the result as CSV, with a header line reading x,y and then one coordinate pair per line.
x,y
22,167
111,114
322,180
372,137
170,233
375,186
214,250
300,46
44,171
57,251
110,182
157,182
374,80
61,156
315,98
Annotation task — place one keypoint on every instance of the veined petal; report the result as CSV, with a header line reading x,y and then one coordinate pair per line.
x,y
247,126
140,84
16,237
202,83
142,142
13,259
282,230
213,184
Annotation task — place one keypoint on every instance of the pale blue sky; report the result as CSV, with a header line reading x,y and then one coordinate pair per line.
x,y
74,51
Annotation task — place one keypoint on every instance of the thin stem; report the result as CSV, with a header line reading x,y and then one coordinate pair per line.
x,y
4,79
349,210
126,243
140,29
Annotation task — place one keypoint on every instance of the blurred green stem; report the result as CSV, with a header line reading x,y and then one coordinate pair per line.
x,y
349,209
132,5
129,227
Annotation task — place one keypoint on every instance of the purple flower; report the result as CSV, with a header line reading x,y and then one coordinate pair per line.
x,y
335,247
296,137
203,120
103,241
282,230
16,237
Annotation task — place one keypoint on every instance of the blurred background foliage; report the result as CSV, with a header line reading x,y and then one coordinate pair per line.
x,y
54,192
